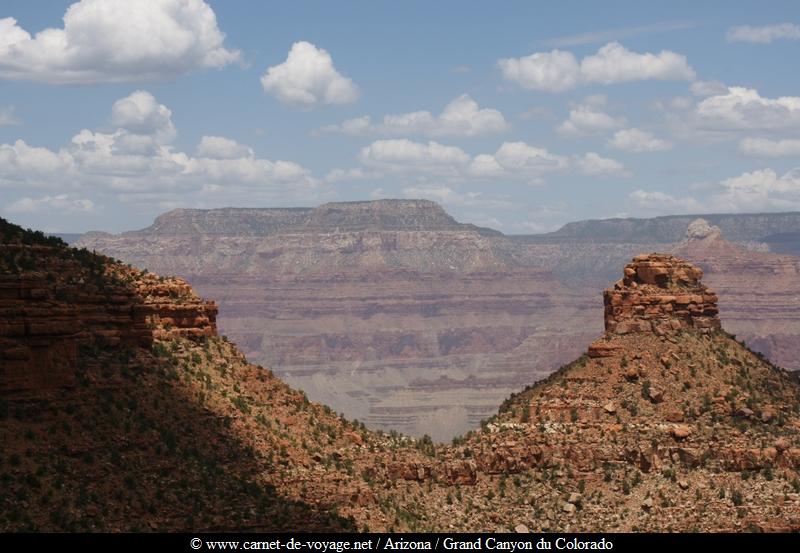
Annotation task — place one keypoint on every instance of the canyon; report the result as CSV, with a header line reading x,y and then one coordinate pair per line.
x,y
665,423
401,317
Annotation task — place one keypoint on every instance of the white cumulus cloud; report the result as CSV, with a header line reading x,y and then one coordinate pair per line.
x,y
59,202
22,163
557,70
754,191
517,161
586,119
554,71
614,63
594,165
308,78
134,164
764,34
139,113
109,41
765,147
761,190
405,155
461,117
636,140
519,157
219,147
745,109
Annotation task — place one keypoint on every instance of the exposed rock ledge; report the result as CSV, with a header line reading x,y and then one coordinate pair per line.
x,y
661,294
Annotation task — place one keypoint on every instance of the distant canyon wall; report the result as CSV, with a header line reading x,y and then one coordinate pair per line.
x,y
397,315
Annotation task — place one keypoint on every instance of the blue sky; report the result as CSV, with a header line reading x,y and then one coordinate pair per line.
x,y
520,116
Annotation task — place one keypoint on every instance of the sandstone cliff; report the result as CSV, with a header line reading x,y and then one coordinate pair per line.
x,y
660,294
55,300
666,424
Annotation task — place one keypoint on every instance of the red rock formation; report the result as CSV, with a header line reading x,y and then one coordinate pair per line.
x,y
660,294
171,308
610,442
393,313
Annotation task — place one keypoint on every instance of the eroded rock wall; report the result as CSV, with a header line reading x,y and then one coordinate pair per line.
x,y
52,309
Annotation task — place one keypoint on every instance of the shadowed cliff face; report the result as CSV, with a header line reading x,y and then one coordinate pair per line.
x,y
398,315
101,428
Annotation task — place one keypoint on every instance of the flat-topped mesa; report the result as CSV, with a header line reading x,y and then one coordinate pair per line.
x,y
335,217
661,294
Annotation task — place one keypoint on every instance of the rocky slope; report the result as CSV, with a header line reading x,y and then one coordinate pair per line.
x,y
666,424
122,410
99,432
398,315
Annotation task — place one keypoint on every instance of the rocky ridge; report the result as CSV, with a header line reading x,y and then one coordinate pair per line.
x,y
55,300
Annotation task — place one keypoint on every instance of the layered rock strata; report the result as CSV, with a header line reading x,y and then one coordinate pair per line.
x,y
396,314
59,305
660,294
759,291
390,311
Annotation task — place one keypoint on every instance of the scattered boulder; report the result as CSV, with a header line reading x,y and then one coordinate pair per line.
x,y
680,432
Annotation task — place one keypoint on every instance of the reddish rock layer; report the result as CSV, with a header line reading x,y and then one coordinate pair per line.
x,y
660,294
759,292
